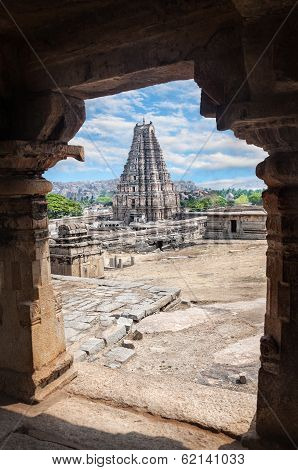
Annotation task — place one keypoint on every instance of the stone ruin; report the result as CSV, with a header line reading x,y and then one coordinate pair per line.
x,y
147,213
145,237
234,223
75,253
219,45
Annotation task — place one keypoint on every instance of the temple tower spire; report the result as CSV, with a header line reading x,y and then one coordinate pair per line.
x,y
146,192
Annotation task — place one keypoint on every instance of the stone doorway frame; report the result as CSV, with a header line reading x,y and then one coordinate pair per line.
x,y
248,85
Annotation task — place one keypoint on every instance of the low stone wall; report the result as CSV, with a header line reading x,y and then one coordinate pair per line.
x,y
150,236
77,261
233,223
78,252
83,219
75,253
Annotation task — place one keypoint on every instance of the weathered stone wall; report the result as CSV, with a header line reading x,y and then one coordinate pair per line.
x,y
146,237
80,261
236,225
74,253
82,219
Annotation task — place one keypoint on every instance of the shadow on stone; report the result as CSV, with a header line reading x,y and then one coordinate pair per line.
x,y
48,432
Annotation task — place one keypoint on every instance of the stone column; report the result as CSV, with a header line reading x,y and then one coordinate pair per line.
x,y
277,409
33,360
250,86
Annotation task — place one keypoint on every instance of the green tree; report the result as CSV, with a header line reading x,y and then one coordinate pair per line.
x,y
200,204
242,199
105,200
59,206
255,198
219,201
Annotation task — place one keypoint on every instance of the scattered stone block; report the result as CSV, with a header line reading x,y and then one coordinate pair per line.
x,y
107,323
119,354
113,365
110,307
79,325
126,343
137,315
93,346
113,334
242,379
79,356
172,305
127,322
71,316
137,335
234,378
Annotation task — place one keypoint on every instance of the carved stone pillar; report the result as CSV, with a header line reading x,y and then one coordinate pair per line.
x,y
33,360
250,86
277,410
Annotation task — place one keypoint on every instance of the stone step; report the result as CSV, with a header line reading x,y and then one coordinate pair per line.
x,y
217,409
79,423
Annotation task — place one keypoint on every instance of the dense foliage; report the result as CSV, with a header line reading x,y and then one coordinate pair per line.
x,y
255,198
105,200
59,206
219,199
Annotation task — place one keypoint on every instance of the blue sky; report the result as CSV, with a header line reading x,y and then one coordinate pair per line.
x,y
192,147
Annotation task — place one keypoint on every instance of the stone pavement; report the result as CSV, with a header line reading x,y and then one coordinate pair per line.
x,y
99,313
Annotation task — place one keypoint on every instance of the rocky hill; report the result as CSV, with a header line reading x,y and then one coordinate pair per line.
x,y
79,190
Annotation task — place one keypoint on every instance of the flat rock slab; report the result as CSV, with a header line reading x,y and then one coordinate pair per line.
x,y
174,320
136,314
127,322
82,424
79,325
243,352
110,307
79,355
216,409
113,334
92,346
252,310
119,354
70,333
85,301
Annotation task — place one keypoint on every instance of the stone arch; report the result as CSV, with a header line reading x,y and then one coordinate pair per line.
x,y
239,53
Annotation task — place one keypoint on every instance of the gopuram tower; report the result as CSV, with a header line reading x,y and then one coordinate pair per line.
x,y
145,192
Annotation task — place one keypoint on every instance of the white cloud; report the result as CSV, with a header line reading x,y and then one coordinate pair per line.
x,y
189,142
176,170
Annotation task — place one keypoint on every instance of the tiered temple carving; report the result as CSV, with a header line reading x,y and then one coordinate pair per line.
x,y
146,192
